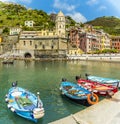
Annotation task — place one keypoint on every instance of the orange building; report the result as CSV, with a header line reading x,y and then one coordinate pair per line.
x,y
115,42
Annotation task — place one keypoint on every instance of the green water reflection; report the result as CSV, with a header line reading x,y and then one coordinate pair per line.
x,y
45,77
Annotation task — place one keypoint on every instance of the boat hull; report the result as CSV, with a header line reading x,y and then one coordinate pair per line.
x,y
24,104
107,81
98,88
75,92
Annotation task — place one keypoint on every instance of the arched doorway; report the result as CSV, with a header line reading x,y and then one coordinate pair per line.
x,y
27,55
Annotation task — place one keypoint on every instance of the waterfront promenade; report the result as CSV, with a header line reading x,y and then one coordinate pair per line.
x,y
106,111
113,57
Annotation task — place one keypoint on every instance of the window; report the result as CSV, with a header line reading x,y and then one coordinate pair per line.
x,y
30,42
52,47
43,46
35,46
24,43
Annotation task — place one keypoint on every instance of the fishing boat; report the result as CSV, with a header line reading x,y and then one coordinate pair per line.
x,y
24,103
76,92
96,87
107,81
8,61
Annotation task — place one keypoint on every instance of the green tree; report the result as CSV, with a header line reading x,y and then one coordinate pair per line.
x,y
6,30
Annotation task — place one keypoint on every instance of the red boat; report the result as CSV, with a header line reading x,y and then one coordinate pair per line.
x,y
98,88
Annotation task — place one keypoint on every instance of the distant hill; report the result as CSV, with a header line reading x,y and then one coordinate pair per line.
x,y
12,15
110,24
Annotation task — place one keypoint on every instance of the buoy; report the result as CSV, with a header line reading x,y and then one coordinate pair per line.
x,y
92,98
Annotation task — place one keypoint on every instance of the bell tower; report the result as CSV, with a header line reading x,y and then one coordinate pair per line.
x,y
60,24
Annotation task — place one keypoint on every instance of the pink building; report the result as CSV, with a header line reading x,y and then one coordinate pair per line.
x,y
89,39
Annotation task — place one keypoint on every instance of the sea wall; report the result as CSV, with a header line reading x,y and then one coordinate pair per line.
x,y
106,111
81,57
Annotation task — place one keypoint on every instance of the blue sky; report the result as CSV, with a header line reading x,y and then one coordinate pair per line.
x,y
79,10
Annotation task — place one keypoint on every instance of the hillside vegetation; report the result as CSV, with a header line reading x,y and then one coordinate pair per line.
x,y
110,25
16,15
12,15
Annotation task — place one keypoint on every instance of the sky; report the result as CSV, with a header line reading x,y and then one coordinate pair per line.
x,y
79,10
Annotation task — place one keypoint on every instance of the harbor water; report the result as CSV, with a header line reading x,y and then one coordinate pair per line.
x,y
45,77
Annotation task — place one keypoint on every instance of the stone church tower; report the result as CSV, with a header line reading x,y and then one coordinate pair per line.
x,y
60,24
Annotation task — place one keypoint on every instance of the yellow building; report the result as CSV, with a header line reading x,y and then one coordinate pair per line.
x,y
0,39
75,51
47,33
103,43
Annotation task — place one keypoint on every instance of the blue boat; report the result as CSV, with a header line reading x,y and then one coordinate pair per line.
x,y
107,81
76,92
24,103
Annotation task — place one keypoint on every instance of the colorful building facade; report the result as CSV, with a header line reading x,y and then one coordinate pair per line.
x,y
89,39
115,42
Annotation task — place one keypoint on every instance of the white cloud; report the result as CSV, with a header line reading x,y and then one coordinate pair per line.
x,y
101,8
70,9
17,1
78,17
63,5
92,2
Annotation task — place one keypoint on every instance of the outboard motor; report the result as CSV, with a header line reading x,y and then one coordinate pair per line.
x,y
118,83
86,76
64,79
77,77
14,84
